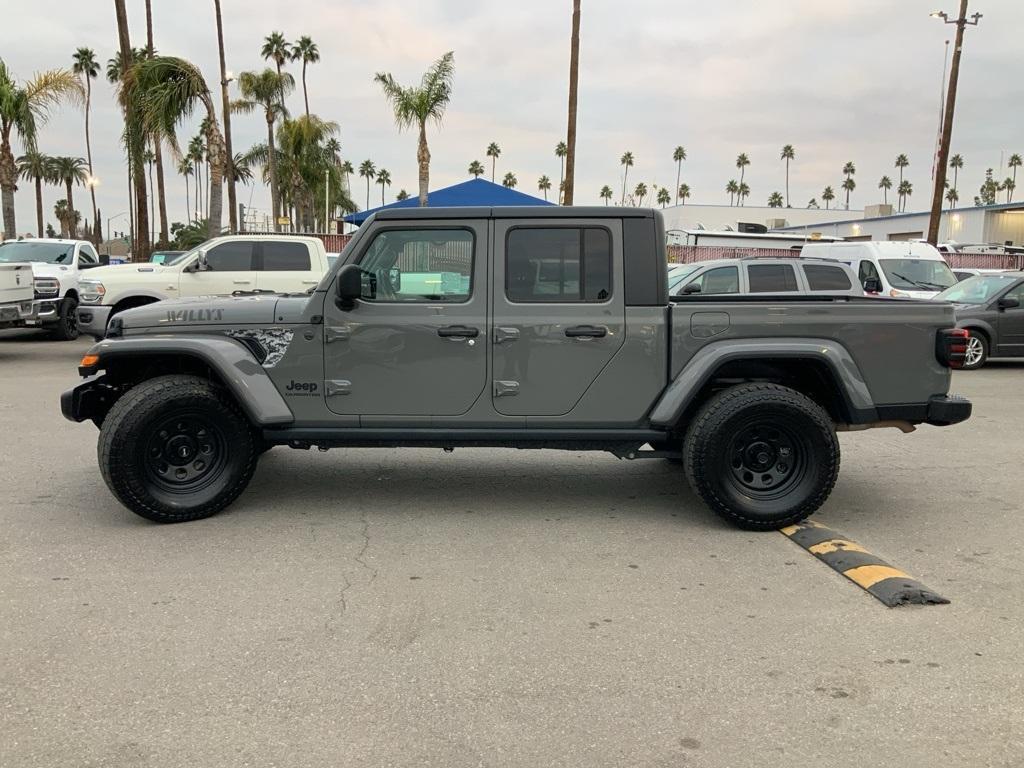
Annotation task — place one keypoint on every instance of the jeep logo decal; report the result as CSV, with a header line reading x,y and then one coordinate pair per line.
x,y
194,315
302,386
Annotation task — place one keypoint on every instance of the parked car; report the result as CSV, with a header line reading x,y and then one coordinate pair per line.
x,y
16,294
559,333
991,309
903,269
221,266
758,275
963,273
165,257
57,267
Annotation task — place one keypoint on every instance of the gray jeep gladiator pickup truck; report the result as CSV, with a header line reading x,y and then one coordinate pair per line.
x,y
512,327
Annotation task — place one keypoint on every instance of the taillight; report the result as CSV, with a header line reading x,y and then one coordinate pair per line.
x,y
951,347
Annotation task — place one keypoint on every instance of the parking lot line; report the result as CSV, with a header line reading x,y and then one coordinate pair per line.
x,y
889,585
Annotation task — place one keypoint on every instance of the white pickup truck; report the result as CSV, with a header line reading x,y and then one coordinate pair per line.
x,y
15,294
57,266
218,267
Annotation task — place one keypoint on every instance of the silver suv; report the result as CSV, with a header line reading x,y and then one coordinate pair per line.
x,y
757,275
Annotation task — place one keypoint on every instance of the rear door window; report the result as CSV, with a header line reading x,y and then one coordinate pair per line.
x,y
822,277
285,257
772,278
230,257
558,264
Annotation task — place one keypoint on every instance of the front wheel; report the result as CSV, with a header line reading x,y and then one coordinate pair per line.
x,y
176,448
762,456
66,328
976,354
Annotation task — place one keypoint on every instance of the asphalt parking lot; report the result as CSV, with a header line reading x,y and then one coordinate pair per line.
x,y
493,608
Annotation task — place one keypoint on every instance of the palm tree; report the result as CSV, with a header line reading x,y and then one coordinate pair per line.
x,y
70,171
952,197
664,197
606,193
544,184
905,189
678,155
733,189
901,163
147,159
849,185
828,196
36,167
306,51
239,169
229,153
509,181
87,68
475,168
885,184
775,200
812,204
1015,163
402,195
493,152
684,192
24,108
186,169
956,162
67,218
742,161
1009,185
368,171
347,171
626,161
567,187
384,179
640,192
743,193
169,89
128,96
787,154
561,150
196,153
276,49
266,90
416,106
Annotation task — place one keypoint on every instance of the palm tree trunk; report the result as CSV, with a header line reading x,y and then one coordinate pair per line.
x,y
954,177
226,109
188,203
494,162
625,175
423,158
305,95
382,195
8,181
574,83
215,151
152,205
165,237
72,228
88,155
367,192
679,173
787,182
39,205
131,202
141,246
275,195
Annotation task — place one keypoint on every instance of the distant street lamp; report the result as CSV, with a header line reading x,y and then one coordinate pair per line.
x,y
947,120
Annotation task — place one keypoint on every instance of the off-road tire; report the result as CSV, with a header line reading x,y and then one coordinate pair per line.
x,y
976,338
749,426
141,462
66,327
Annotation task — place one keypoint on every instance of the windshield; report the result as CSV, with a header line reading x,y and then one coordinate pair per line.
x,y
977,290
50,253
166,257
676,275
918,274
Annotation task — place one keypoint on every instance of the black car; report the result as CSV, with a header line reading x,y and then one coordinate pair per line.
x,y
990,308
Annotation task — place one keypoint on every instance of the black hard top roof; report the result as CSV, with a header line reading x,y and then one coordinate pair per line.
x,y
513,212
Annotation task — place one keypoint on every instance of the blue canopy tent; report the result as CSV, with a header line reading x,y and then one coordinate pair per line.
x,y
475,192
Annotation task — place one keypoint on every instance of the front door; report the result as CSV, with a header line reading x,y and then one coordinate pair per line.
x,y
558,312
1011,325
231,269
415,343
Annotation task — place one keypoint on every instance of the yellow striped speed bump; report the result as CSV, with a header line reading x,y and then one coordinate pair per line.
x,y
890,585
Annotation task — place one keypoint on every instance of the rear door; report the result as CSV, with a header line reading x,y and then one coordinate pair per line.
x,y
285,265
1011,324
231,268
558,311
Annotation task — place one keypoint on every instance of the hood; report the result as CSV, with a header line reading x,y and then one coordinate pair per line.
x,y
43,269
128,270
203,311
919,294
968,310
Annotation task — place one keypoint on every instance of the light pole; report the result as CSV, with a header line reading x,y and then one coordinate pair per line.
x,y
947,120
225,78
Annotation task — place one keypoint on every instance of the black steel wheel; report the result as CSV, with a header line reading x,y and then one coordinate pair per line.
x,y
66,328
763,456
177,448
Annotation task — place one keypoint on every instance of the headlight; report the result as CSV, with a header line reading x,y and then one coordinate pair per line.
x,y
899,294
46,287
91,291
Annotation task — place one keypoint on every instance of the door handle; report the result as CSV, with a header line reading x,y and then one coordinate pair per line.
x,y
586,332
458,332
242,282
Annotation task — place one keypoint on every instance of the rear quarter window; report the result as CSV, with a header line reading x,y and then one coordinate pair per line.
x,y
285,257
822,277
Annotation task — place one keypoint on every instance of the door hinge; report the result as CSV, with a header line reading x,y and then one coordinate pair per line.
x,y
337,333
504,333
338,387
506,388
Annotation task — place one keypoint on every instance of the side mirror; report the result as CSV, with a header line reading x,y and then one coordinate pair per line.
x,y
395,277
872,285
104,259
202,265
350,286
1009,302
691,288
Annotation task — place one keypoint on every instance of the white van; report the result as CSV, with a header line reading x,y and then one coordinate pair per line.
x,y
903,269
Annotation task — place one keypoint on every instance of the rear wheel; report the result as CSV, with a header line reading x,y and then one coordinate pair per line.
x,y
176,448
976,354
66,328
762,456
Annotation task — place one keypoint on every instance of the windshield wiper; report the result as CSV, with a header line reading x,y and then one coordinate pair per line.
x,y
912,282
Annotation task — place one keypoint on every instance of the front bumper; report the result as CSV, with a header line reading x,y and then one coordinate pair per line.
x,y
87,399
92,320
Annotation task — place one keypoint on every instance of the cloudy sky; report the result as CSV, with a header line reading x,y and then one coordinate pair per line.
x,y
840,80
